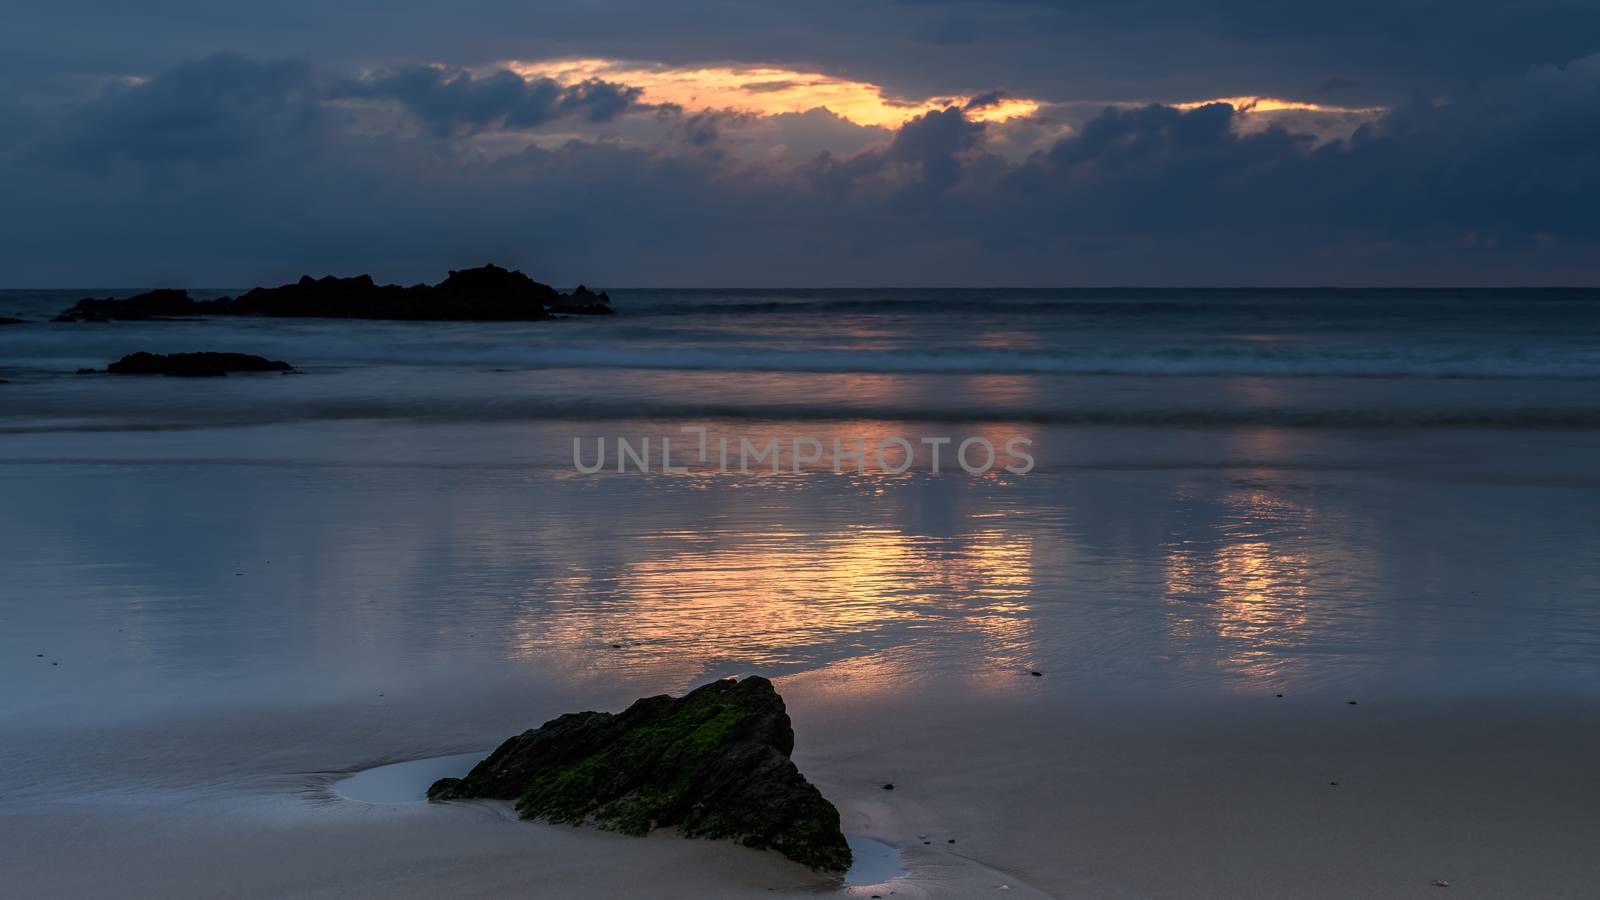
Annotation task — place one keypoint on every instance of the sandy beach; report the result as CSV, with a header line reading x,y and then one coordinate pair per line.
x,y
1014,789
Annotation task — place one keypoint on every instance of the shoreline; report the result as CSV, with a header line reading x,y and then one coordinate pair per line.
x,y
1050,792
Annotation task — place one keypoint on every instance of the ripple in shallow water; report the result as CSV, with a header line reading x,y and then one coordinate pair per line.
x,y
872,862
405,782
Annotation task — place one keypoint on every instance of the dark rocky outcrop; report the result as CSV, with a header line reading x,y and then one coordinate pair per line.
x,y
329,298
194,364
7,320
584,302
492,292
165,303
485,294
713,763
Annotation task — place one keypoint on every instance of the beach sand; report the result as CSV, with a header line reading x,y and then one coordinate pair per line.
x,y
1014,788
222,598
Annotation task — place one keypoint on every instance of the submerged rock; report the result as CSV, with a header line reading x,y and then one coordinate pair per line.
x,y
485,294
194,364
713,763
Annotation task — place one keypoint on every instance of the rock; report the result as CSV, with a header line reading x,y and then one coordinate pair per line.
x,y
1036,674
485,294
713,763
194,364
490,292
444,789
160,304
329,298
584,302
7,320
888,787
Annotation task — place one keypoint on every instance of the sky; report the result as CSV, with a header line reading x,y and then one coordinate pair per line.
x,y
638,143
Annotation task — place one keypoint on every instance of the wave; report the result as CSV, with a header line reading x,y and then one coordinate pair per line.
x,y
534,411
1222,333
1302,304
664,301
1289,360
917,304
1579,363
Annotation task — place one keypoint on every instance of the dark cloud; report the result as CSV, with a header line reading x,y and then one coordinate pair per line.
x,y
936,143
1057,50
1509,162
926,157
770,87
1440,42
227,105
701,129
704,131
451,99
988,98
236,171
204,112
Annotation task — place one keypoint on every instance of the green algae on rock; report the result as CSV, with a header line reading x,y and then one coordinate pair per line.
x,y
713,763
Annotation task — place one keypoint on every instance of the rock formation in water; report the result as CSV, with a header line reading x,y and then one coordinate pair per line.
x,y
194,364
713,763
584,302
165,303
7,320
485,294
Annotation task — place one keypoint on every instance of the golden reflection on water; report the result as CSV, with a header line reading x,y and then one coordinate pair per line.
x,y
1245,589
884,398
872,449
772,599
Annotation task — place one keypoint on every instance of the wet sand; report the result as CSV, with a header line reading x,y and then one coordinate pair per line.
x,y
1016,783
204,628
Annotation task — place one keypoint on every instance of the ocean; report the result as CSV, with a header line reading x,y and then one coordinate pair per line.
x,y
1233,484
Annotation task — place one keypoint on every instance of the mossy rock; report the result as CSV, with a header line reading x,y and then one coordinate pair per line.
x,y
713,763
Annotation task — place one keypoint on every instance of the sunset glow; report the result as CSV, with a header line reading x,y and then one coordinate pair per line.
x,y
777,596
765,91
1274,104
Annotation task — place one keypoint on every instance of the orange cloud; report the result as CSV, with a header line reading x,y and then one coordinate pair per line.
x,y
1273,104
764,90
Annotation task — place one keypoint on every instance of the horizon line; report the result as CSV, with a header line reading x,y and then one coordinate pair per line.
x,y
899,287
